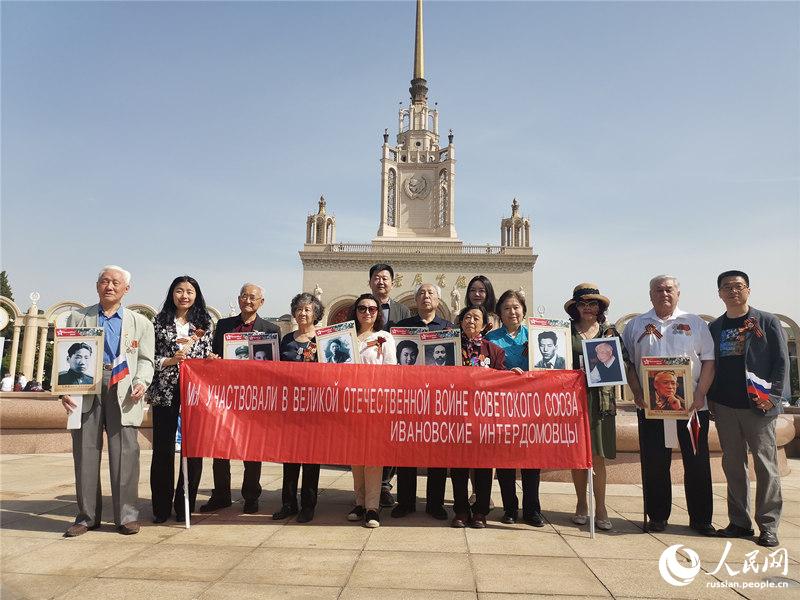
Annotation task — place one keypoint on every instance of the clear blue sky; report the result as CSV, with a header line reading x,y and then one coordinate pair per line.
x,y
639,137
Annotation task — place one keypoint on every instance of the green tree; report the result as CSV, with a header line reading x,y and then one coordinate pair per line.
x,y
5,286
5,290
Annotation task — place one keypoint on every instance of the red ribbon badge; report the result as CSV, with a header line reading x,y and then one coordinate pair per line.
x,y
650,329
751,325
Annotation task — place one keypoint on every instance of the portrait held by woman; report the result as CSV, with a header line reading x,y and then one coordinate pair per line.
x,y
301,346
182,330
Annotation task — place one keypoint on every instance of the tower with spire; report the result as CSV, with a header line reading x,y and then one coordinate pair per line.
x,y
416,233
417,174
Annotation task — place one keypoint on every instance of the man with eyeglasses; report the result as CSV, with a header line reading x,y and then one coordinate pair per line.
x,y
666,330
251,298
752,364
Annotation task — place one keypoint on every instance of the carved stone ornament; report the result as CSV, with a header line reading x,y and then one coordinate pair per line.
x,y
417,187
440,279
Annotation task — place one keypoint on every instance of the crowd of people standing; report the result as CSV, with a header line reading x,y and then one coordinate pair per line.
x,y
743,346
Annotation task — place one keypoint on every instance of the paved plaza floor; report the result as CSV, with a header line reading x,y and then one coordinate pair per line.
x,y
231,555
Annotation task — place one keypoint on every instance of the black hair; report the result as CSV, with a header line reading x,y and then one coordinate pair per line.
x,y
197,315
551,335
381,267
573,313
78,346
306,298
407,344
732,273
378,325
508,295
466,309
490,303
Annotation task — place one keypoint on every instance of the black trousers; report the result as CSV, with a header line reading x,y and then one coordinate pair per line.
x,y
656,461
308,491
386,477
251,483
164,492
482,487
407,487
530,491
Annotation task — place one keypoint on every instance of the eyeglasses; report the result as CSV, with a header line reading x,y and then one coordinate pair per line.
x,y
472,318
734,287
251,297
588,303
364,309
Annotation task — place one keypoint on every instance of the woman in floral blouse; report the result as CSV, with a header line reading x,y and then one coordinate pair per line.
x,y
375,347
301,346
475,352
182,330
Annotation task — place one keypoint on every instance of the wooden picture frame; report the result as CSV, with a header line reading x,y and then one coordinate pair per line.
x,y
78,361
668,387
550,335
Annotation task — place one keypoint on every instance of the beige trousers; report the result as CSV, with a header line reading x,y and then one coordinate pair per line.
x,y
367,486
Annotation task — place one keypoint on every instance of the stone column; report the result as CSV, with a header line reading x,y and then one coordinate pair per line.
x,y
42,347
12,365
29,341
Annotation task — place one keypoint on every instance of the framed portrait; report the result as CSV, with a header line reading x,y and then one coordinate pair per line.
x,y
668,387
602,359
78,361
441,348
408,345
549,344
338,344
236,346
264,346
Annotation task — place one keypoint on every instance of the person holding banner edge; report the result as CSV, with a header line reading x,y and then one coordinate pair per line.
x,y
427,298
251,298
512,337
182,330
587,311
475,352
376,347
301,346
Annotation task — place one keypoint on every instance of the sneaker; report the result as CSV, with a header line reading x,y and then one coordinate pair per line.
x,y
356,514
387,500
372,519
177,447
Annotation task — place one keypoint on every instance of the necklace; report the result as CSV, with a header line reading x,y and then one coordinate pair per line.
x,y
589,332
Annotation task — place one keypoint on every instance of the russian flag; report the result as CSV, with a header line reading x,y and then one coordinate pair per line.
x,y
757,387
119,369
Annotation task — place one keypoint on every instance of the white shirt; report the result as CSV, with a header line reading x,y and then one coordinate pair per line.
x,y
682,334
7,384
370,354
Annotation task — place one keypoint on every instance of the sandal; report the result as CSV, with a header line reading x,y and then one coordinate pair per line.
x,y
580,519
603,524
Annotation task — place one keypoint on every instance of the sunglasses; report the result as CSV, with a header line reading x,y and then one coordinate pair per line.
x,y
364,309
588,303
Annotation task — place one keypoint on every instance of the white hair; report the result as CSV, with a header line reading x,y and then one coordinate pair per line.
x,y
659,278
125,274
436,287
255,285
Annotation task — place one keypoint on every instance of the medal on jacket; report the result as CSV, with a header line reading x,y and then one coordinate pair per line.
x,y
650,329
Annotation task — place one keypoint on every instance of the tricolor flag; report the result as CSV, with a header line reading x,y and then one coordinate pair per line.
x,y
119,369
693,425
757,387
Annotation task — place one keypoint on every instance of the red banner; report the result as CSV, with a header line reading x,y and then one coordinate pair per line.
x,y
384,415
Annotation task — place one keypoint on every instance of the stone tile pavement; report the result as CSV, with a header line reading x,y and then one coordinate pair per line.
x,y
232,555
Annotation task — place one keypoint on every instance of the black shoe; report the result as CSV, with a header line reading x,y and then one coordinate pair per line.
x,y
215,504
401,510
285,512
478,521
439,513
460,520
387,500
656,525
180,517
706,530
372,519
159,520
306,515
768,539
734,531
509,517
536,519
250,507
356,514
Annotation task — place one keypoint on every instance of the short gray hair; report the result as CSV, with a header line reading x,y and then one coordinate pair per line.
x,y
436,287
659,278
125,274
255,285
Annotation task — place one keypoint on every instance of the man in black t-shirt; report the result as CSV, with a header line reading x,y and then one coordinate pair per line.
x,y
751,379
